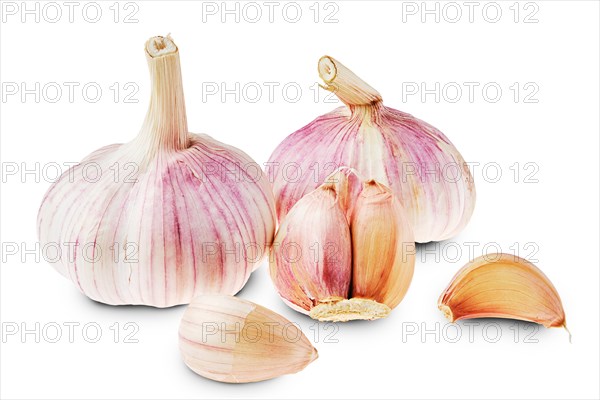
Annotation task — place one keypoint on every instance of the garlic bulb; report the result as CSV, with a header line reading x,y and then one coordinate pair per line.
x,y
165,217
420,165
228,339
336,268
502,286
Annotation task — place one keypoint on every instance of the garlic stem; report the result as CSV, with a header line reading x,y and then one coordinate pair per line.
x,y
346,85
165,126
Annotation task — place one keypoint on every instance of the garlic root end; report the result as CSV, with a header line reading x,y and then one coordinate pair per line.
x,y
447,312
344,310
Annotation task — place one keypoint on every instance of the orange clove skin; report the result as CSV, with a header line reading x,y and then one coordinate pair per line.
x,y
502,286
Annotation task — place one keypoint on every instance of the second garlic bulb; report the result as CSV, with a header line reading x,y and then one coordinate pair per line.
x,y
420,165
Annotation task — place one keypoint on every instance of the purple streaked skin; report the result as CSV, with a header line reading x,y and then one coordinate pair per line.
x,y
163,230
312,258
382,144
168,213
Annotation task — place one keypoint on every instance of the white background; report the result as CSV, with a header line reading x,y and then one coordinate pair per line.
x,y
559,213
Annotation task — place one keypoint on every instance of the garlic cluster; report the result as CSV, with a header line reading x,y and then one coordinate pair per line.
x,y
420,165
167,216
502,286
228,339
338,257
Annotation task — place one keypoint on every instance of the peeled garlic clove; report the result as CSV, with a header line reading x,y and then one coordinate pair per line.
x,y
502,286
421,166
370,265
311,259
228,339
165,217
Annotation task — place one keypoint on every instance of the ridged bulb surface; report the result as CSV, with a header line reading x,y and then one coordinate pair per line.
x,y
417,161
164,218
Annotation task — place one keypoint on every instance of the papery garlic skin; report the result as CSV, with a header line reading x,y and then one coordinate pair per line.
x,y
229,339
383,249
338,270
312,257
154,226
502,286
417,161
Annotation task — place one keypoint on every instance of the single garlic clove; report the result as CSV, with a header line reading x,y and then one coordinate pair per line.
x,y
383,258
502,286
311,257
383,247
228,339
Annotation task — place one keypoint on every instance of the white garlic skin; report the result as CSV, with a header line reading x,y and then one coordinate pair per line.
x,y
159,220
157,236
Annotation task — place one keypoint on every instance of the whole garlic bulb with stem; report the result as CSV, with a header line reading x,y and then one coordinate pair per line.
x,y
420,165
168,216
340,258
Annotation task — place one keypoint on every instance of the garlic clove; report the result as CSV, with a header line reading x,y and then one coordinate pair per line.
x,y
383,258
502,286
228,339
311,257
341,271
383,247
